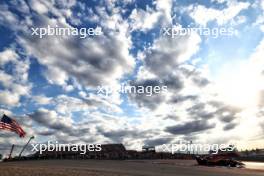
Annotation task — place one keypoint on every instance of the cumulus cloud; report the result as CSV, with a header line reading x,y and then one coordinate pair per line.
x,y
167,53
190,127
165,7
202,15
93,61
7,98
41,99
51,119
7,17
145,20
7,56
15,83
162,60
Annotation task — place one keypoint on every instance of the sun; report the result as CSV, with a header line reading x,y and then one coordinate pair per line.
x,y
240,87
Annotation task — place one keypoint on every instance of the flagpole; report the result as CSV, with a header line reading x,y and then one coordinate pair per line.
x,y
11,151
32,137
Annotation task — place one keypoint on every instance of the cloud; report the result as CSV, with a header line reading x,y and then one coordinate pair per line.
x,y
67,104
39,6
198,110
51,119
173,82
181,98
157,142
98,63
190,127
167,53
46,133
261,99
91,62
200,81
7,98
162,63
144,20
229,126
202,15
15,81
255,62
262,126
118,136
165,7
7,55
146,99
23,7
42,100
6,17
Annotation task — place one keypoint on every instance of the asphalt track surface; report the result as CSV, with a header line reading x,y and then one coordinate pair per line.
x,y
119,168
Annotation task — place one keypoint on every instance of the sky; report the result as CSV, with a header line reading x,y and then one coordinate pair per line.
x,y
215,90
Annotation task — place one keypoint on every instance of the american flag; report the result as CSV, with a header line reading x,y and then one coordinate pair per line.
x,y
7,123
